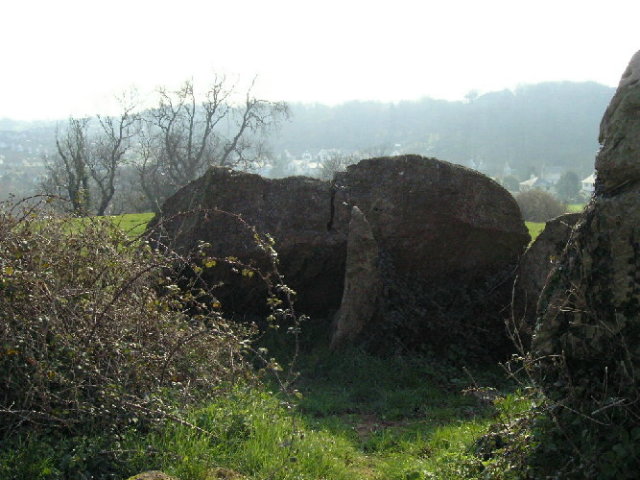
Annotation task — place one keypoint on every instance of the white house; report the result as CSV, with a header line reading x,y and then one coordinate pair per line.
x,y
588,183
535,182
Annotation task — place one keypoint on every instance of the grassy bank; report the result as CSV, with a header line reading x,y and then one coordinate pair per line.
x,y
575,207
536,228
355,417
348,415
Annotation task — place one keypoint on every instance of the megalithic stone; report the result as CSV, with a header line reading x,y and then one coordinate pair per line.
x,y
362,282
588,316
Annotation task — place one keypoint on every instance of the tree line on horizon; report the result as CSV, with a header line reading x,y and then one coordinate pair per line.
x,y
134,161
553,124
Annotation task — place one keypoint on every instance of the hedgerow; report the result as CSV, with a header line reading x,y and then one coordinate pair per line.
x,y
98,332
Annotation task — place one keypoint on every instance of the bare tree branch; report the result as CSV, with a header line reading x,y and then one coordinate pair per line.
x,y
186,135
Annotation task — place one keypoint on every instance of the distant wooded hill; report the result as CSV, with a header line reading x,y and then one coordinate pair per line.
x,y
536,127
546,125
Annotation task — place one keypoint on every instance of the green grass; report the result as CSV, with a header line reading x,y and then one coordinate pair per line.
x,y
405,416
251,432
535,229
575,207
133,224
359,417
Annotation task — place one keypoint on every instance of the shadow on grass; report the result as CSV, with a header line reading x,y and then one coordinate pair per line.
x,y
398,404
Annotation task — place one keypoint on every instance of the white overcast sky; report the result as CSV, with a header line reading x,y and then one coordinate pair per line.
x,y
62,57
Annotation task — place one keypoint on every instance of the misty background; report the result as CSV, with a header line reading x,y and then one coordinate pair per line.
x,y
541,130
515,90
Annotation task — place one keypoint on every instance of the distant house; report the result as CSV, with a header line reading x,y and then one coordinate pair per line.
x,y
528,184
552,173
588,184
535,183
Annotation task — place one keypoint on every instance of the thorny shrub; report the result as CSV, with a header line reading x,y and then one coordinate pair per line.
x,y
95,332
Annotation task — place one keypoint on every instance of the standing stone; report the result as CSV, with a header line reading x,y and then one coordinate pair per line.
x,y
534,268
362,283
588,330
449,240
617,162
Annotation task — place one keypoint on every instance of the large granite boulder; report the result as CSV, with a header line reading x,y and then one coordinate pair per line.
x,y
588,330
436,220
617,162
447,240
222,208
594,293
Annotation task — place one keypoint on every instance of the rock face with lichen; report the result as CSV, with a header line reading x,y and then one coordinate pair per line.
x,y
443,239
588,329
534,268
448,239
222,208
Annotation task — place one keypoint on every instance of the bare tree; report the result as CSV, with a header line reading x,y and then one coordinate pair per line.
x,y
108,153
175,143
335,162
186,133
68,174
155,184
86,164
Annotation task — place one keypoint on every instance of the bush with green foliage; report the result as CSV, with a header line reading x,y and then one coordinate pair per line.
x,y
569,186
539,206
95,333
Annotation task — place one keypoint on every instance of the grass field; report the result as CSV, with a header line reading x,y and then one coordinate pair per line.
x,y
356,417
535,229
352,416
133,224
575,207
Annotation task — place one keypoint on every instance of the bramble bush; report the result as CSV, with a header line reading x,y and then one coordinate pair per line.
x,y
96,334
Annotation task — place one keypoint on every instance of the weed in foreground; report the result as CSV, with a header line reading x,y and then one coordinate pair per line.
x,y
360,416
